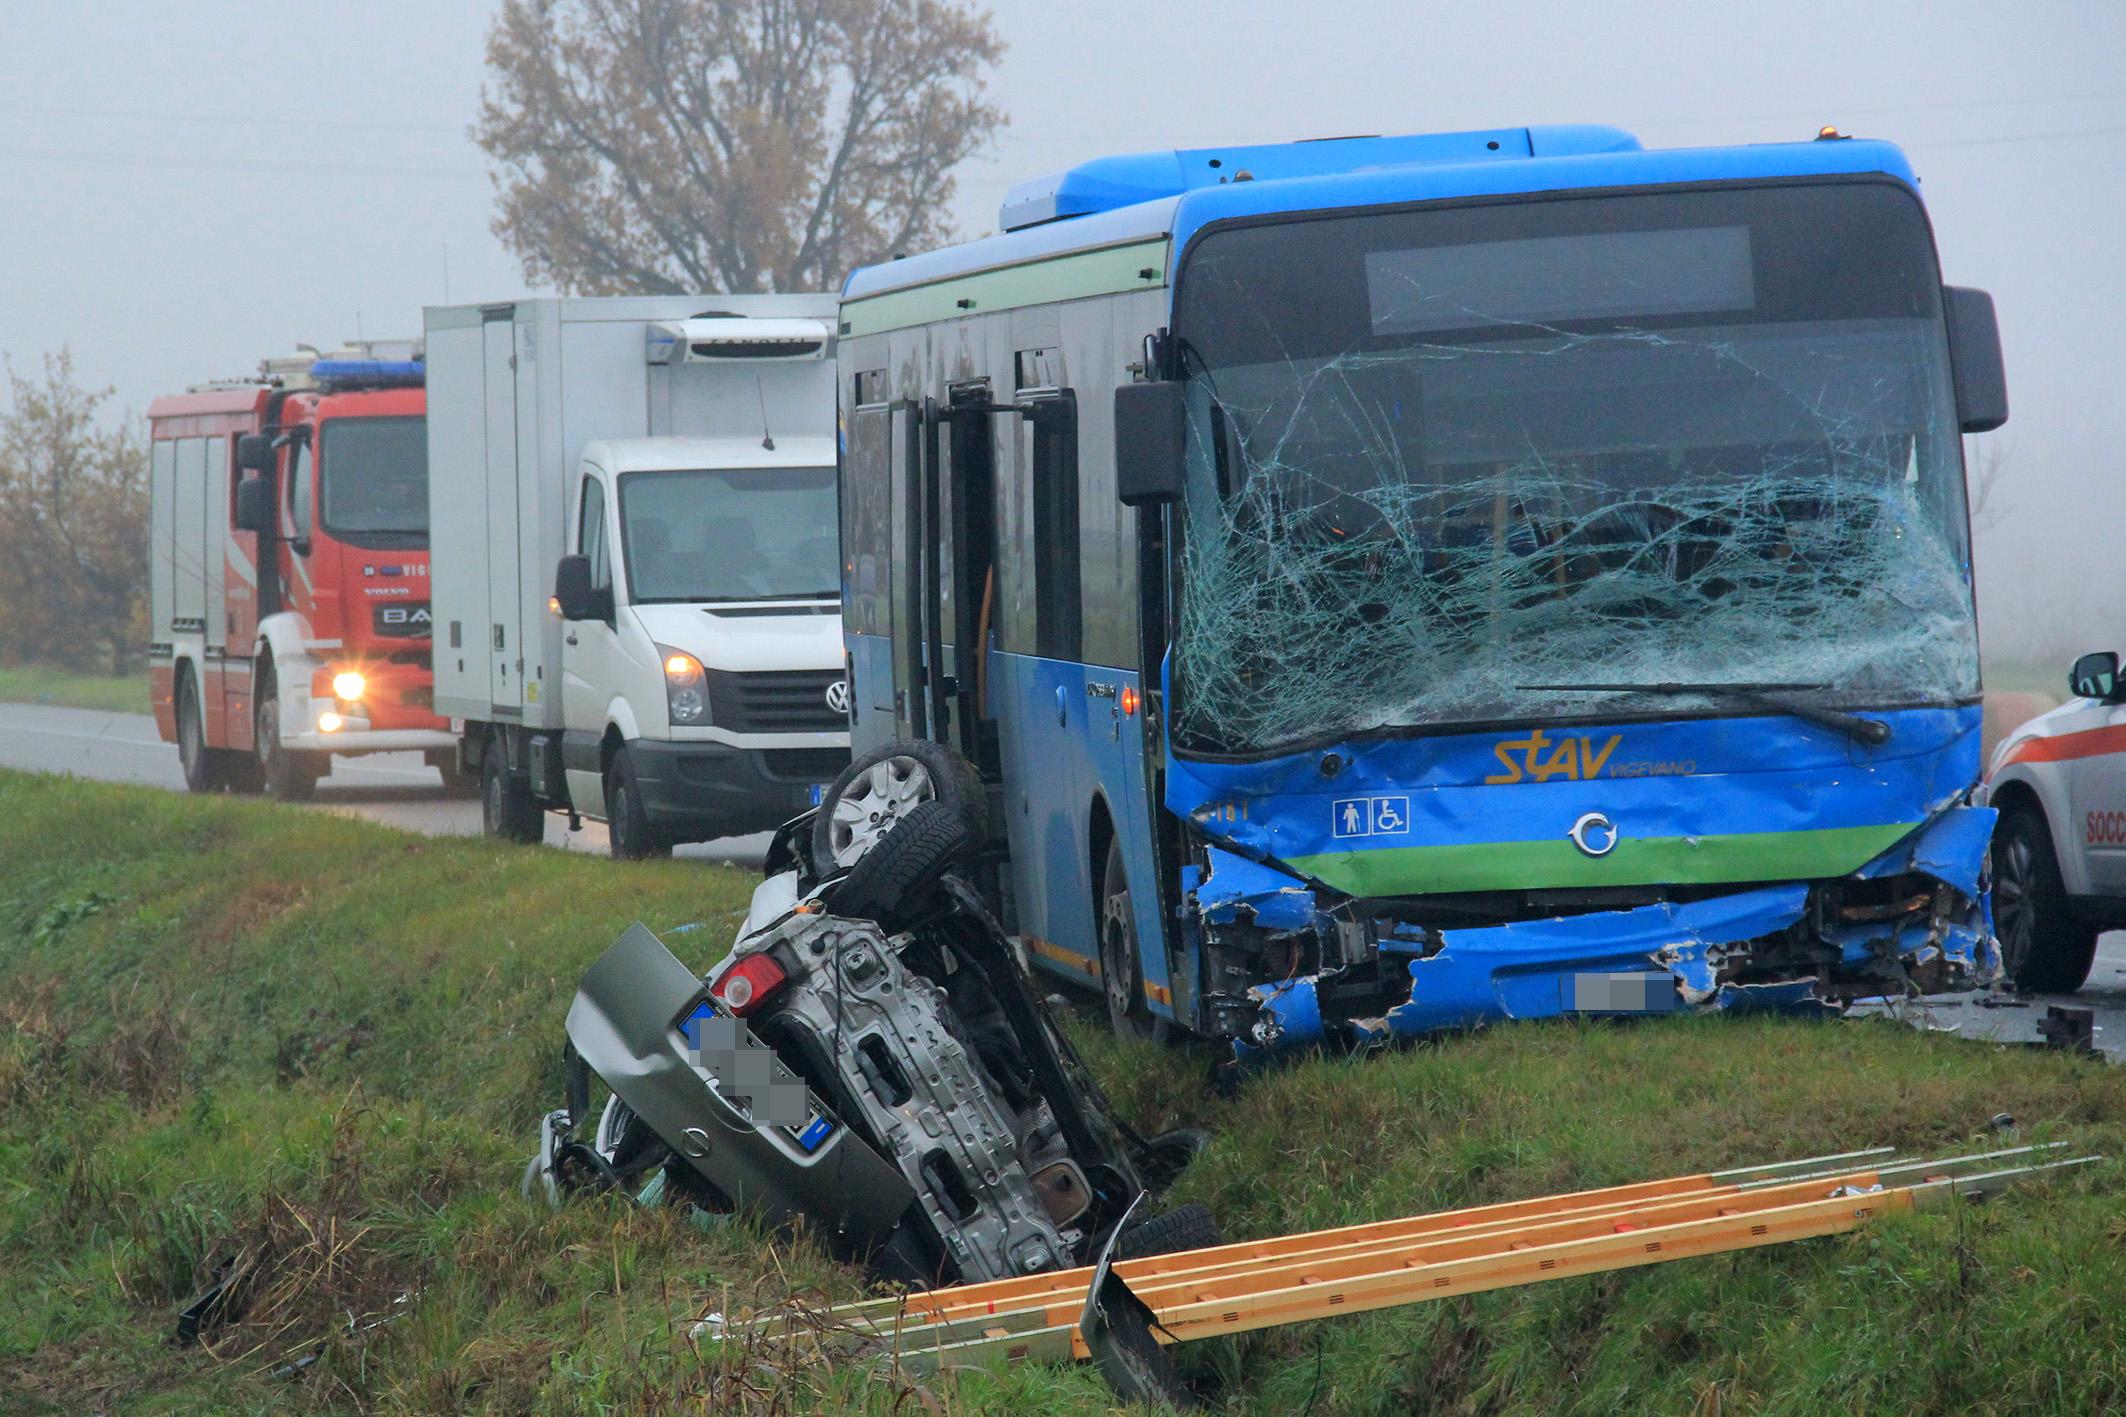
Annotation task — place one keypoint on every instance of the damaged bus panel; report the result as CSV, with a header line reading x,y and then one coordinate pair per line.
x,y
1389,584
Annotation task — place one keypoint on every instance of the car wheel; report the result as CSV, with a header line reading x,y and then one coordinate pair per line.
x,y
290,776
881,787
1185,1227
1121,961
2044,948
889,883
202,765
508,812
628,827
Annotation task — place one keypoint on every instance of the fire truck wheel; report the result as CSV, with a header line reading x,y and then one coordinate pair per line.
x,y
445,761
289,776
1121,962
507,809
205,769
882,786
628,826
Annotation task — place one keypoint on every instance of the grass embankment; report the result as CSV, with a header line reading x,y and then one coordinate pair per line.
x,y
320,1047
42,684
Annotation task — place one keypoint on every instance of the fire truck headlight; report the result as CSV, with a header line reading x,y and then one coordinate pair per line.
x,y
348,684
330,722
686,687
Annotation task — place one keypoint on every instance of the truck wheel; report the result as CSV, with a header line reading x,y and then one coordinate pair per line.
x,y
289,776
508,812
204,767
1185,1227
881,787
628,826
2044,948
1121,961
889,882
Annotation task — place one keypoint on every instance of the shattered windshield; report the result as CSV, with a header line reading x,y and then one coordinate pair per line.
x,y
747,534
1439,455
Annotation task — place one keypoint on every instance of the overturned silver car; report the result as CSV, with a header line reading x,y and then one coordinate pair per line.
x,y
868,1058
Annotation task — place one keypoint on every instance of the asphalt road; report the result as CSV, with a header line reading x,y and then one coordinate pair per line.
x,y
397,789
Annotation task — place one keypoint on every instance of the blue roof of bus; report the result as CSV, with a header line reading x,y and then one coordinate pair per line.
x,y
1113,200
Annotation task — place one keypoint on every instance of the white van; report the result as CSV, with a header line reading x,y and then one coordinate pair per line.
x,y
636,574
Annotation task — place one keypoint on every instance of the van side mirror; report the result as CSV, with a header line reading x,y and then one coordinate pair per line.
x,y
254,453
572,589
2095,676
1149,423
1975,359
254,499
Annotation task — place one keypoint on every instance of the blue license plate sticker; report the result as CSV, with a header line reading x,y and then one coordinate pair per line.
x,y
819,793
815,1132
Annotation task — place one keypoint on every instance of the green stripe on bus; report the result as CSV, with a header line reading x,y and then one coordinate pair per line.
x,y
1541,865
1103,272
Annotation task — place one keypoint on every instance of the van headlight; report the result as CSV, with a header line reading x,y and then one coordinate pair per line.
x,y
686,688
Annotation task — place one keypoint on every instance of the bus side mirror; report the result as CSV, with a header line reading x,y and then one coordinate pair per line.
x,y
1149,422
254,453
572,588
254,499
1975,358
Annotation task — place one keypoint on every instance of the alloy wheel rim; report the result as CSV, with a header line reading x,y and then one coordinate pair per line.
x,y
2011,894
873,804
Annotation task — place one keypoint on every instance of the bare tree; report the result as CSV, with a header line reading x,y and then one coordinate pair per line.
x,y
74,517
665,146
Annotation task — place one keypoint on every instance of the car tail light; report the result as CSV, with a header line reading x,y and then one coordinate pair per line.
x,y
748,985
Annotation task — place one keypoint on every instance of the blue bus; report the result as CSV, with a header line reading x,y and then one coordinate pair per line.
x,y
1377,585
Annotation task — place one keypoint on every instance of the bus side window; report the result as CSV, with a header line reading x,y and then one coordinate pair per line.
x,y
1059,612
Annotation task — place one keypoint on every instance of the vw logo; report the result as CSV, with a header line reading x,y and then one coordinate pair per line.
x,y
838,696
1594,834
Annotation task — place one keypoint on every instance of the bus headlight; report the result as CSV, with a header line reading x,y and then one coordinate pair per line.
x,y
349,685
686,688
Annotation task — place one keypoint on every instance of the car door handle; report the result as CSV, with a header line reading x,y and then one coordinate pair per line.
x,y
570,637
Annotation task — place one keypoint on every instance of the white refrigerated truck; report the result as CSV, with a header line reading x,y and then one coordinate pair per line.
x,y
636,581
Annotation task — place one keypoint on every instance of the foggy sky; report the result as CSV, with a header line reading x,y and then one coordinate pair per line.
x,y
193,184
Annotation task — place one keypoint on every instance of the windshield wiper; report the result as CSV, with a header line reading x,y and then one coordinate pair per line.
x,y
1872,731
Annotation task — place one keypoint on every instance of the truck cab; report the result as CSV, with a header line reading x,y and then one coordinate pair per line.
x,y
702,693
289,572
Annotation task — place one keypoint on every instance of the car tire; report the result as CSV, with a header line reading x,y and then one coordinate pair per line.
x,y
890,883
1185,1227
628,828
205,769
1121,959
879,788
2045,949
291,776
508,811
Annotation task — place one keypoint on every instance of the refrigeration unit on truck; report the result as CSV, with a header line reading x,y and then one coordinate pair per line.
x,y
1386,584
288,571
636,565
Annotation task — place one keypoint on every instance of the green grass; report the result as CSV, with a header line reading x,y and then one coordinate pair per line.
x,y
233,1030
41,684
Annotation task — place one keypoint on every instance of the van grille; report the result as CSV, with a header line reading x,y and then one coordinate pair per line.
x,y
776,701
804,764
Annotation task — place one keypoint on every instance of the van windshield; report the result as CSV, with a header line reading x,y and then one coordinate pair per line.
x,y
741,534
375,471
1438,457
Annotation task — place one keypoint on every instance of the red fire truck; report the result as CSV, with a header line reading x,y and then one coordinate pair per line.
x,y
288,572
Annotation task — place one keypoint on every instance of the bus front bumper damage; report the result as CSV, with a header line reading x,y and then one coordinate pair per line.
x,y
1916,920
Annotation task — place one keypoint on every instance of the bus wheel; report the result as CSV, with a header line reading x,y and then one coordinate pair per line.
x,y
1121,962
884,785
